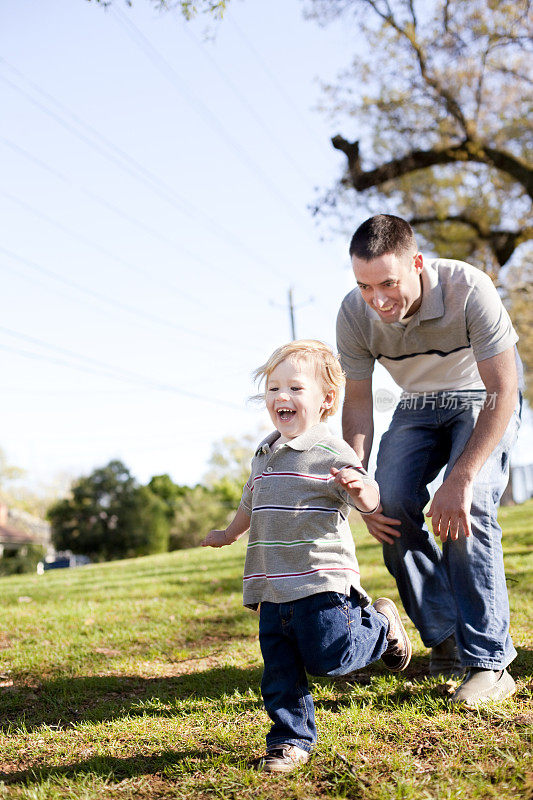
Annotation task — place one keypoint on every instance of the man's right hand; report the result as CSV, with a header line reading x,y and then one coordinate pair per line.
x,y
380,526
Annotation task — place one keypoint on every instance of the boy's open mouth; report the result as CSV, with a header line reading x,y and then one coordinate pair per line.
x,y
285,413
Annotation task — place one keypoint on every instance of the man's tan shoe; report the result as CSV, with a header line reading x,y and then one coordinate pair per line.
x,y
483,686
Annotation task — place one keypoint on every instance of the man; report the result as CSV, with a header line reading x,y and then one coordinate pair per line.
x,y
440,329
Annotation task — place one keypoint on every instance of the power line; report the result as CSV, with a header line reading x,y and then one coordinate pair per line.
x,y
115,304
130,165
275,82
168,71
86,240
90,365
248,106
172,243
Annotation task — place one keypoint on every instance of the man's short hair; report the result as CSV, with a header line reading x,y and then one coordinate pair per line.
x,y
327,366
380,235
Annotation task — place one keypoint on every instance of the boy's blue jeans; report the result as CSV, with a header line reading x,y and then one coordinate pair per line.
x,y
324,634
461,589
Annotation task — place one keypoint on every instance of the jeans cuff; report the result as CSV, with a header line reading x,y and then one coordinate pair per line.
x,y
296,742
439,639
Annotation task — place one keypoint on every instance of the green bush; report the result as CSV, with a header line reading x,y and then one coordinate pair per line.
x,y
22,561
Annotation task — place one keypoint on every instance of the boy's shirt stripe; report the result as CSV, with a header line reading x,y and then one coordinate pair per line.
x,y
303,475
330,449
300,509
300,574
298,543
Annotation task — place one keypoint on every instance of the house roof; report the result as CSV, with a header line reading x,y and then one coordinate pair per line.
x,y
10,535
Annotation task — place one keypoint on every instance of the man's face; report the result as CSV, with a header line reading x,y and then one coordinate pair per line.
x,y
390,284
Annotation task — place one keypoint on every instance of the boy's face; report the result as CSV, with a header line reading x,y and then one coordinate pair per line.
x,y
295,398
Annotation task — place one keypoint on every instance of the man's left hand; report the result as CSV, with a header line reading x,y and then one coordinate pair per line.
x,y
450,509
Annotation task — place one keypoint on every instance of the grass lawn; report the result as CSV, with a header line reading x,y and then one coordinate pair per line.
x,y
140,679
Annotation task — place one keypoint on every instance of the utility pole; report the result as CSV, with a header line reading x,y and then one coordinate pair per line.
x,y
291,314
292,310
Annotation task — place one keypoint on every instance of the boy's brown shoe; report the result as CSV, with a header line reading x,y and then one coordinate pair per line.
x,y
398,654
283,758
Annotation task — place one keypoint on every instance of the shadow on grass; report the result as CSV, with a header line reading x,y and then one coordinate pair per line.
x,y
169,764
65,702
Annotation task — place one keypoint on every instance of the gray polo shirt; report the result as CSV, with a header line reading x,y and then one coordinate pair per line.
x,y
461,321
300,542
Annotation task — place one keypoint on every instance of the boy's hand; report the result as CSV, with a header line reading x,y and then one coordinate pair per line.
x,y
364,493
349,479
215,539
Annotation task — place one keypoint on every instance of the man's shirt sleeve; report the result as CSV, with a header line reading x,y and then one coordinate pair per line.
x,y
357,361
489,326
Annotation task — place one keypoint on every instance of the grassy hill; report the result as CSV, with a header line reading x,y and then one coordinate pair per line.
x,y
140,679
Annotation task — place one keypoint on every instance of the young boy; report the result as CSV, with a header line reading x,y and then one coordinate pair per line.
x,y
300,565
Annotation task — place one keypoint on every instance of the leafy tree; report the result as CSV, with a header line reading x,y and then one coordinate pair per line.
x,y
230,460
440,103
8,473
109,516
192,511
519,290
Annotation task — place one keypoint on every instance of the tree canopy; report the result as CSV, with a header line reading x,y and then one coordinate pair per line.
x,y
109,516
439,103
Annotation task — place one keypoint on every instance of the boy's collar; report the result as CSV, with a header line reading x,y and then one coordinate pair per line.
x,y
303,442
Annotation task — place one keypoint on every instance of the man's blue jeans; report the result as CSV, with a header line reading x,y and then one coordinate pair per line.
x,y
460,589
324,634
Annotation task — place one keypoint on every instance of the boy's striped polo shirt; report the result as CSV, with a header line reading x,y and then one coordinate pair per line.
x,y
300,542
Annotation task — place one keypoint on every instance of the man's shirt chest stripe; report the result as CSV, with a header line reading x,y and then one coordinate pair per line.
x,y
441,353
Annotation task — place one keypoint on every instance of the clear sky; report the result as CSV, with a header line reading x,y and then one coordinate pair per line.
x,y
154,208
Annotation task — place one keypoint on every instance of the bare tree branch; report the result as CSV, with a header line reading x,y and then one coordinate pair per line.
x,y
467,150
502,243
450,102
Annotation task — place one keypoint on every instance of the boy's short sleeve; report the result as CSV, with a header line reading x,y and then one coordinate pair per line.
x,y
246,498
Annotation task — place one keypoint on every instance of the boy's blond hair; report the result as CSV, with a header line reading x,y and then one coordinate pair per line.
x,y
327,367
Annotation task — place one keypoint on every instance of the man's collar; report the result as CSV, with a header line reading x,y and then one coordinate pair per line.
x,y
432,300
303,442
